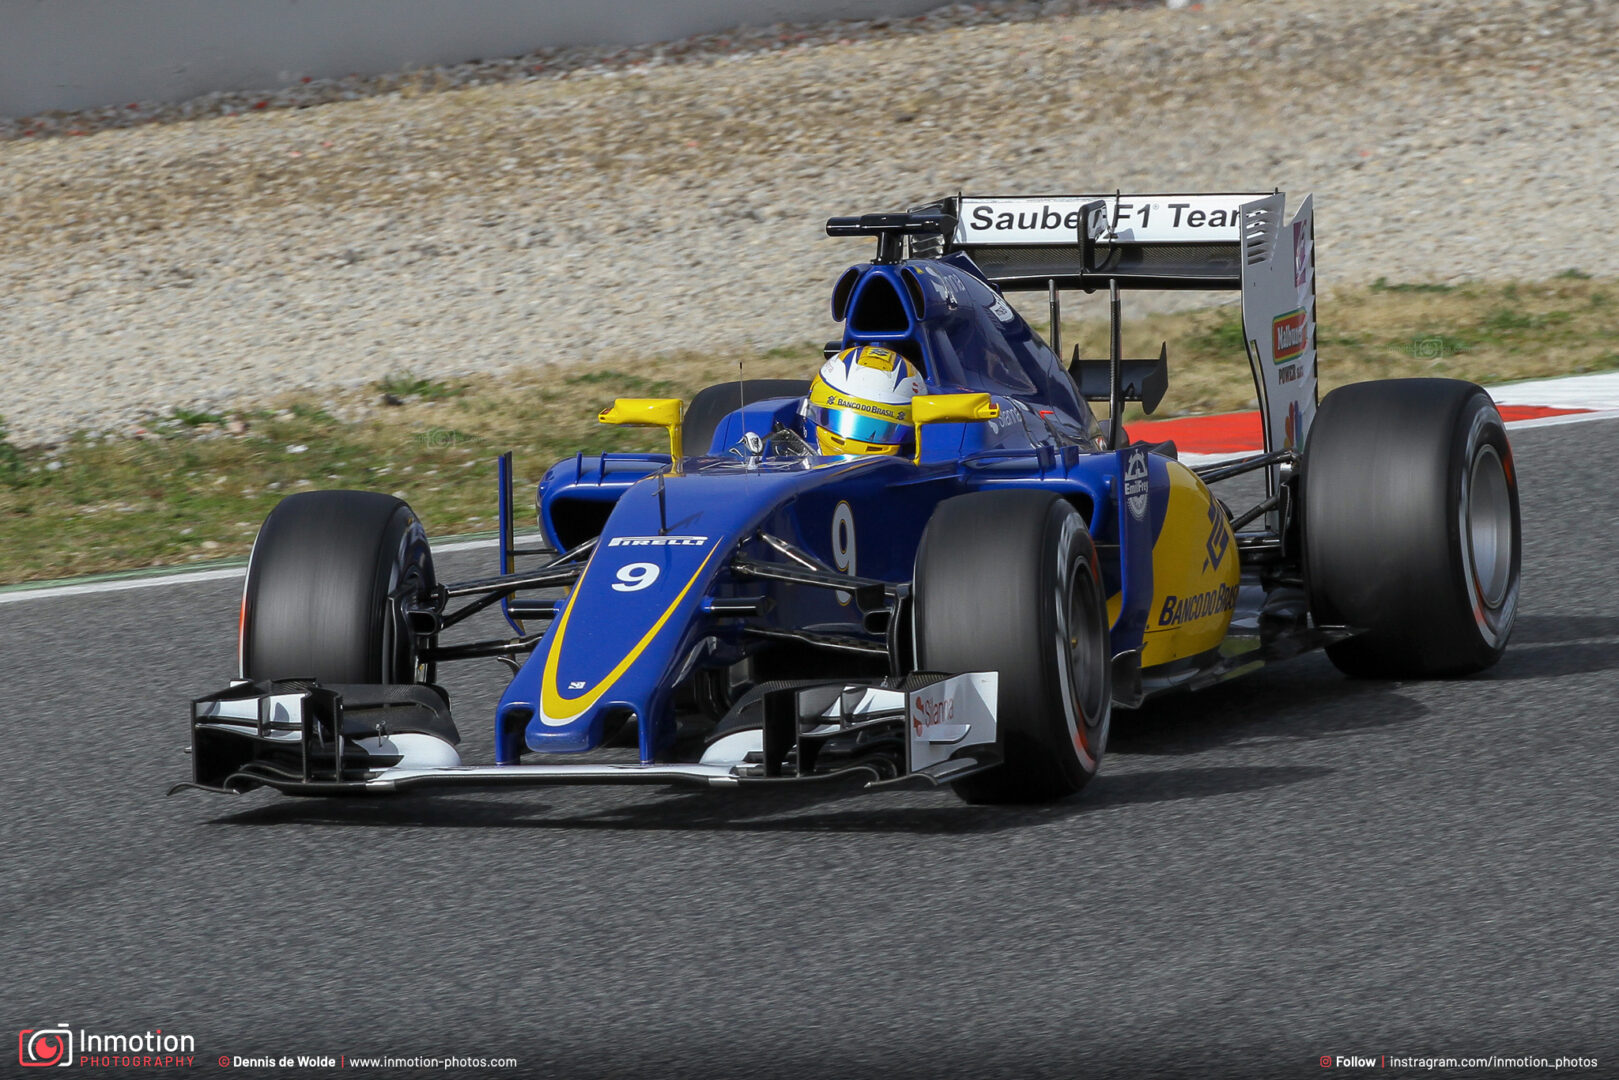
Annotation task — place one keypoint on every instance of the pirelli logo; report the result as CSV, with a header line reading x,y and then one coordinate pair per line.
x,y
1288,335
657,541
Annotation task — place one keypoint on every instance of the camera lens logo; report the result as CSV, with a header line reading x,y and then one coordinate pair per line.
x,y
45,1046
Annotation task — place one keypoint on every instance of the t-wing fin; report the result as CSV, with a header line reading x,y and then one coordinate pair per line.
x,y
1144,380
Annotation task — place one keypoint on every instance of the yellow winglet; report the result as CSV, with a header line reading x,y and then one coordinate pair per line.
x,y
949,409
648,412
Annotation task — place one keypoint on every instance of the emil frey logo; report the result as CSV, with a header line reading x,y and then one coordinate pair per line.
x,y
1136,484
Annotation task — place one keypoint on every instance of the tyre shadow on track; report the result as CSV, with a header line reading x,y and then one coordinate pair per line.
x,y
1547,646
778,811
1554,661
1554,629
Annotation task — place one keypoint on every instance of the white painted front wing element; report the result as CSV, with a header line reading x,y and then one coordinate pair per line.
x,y
285,714
949,716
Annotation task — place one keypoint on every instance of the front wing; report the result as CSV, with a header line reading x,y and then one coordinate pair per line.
x,y
299,737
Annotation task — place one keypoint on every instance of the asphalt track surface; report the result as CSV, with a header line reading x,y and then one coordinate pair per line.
x,y
1286,867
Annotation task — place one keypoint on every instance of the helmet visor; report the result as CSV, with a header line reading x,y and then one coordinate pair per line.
x,y
854,425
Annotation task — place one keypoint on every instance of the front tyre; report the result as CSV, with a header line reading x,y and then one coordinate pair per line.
x,y
326,583
1411,527
1008,581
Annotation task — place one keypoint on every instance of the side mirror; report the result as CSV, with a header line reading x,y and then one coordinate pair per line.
x,y
949,409
648,412
952,408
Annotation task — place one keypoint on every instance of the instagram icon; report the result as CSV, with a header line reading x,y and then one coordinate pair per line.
x,y
45,1046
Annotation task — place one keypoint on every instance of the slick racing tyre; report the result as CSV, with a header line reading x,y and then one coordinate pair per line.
x,y
1410,527
323,588
1008,581
714,404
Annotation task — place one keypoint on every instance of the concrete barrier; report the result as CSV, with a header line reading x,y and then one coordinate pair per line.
x,y
76,54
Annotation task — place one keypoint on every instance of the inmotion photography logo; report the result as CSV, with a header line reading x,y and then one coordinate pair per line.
x,y
45,1046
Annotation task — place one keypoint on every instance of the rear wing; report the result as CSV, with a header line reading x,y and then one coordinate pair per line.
x,y
1086,241
1235,241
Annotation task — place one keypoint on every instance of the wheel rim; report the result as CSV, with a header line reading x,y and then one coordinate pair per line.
x,y
1489,526
409,577
1085,660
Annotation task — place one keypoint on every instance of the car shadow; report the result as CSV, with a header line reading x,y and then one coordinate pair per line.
x,y
822,809
1308,698
1303,699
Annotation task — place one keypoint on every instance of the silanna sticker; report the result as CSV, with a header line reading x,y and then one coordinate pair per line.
x,y
1135,483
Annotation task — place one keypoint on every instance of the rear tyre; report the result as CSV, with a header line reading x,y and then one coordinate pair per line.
x,y
714,404
324,585
1008,581
1411,528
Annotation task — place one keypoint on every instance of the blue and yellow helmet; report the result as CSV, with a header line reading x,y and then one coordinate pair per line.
x,y
860,403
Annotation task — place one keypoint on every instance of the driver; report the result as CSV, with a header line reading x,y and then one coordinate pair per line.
x,y
860,403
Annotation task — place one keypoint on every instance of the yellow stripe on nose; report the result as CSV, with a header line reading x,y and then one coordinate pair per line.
x,y
555,709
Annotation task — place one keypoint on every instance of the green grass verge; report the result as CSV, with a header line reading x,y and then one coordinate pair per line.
x,y
197,485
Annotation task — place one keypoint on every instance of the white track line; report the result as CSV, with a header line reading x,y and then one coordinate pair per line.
x,y
192,577
1558,421
1572,392
183,577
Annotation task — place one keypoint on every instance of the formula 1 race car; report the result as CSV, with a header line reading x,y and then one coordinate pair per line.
x,y
756,611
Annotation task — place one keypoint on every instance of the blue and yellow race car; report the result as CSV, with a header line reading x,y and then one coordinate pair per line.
x,y
931,564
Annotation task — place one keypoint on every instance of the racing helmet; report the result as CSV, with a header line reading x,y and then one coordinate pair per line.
x,y
860,403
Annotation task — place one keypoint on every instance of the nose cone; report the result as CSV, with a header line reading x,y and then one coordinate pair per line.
x,y
632,618
622,628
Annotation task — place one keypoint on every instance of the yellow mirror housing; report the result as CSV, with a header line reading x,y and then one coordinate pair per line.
x,y
949,409
650,412
952,408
